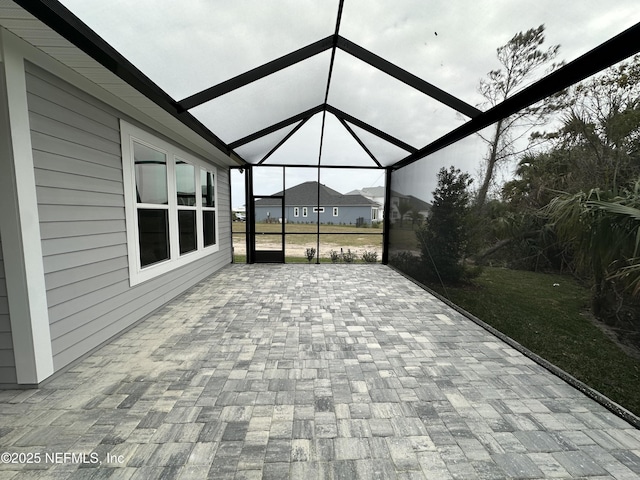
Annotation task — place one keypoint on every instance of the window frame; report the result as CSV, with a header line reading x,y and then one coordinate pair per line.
x,y
138,274
318,209
296,212
305,212
336,212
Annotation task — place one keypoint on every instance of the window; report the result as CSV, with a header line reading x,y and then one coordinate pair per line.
x,y
207,183
296,211
168,223
316,209
335,211
186,205
304,211
374,213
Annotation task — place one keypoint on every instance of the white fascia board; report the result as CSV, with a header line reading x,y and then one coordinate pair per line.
x,y
20,223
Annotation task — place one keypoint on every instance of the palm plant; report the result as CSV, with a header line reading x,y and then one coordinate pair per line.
x,y
603,230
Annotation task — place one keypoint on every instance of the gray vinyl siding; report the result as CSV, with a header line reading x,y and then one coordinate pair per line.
x,y
7,359
78,171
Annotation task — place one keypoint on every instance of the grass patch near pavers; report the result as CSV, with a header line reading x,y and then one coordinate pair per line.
x,y
555,323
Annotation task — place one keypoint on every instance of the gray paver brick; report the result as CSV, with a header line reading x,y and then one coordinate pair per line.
x,y
277,372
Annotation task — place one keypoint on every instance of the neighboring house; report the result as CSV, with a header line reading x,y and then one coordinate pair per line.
x,y
422,207
111,205
301,206
375,194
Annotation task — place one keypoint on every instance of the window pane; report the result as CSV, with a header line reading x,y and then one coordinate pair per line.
x,y
186,183
151,175
187,230
208,194
153,230
209,226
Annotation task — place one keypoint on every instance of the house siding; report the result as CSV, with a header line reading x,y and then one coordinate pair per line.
x,y
7,359
78,171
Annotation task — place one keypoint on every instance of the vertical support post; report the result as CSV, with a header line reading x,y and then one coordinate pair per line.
x,y
20,223
318,214
284,215
250,227
386,224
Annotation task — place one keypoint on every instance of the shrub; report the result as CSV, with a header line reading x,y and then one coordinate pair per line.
x,y
370,257
349,257
335,256
407,263
311,253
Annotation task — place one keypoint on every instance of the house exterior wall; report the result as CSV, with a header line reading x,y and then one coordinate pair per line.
x,y
78,170
347,215
7,359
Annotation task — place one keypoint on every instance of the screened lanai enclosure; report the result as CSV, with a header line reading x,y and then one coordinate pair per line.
x,y
328,123
388,91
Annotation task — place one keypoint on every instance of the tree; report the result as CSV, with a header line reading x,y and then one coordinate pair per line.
x,y
520,58
600,133
443,237
416,216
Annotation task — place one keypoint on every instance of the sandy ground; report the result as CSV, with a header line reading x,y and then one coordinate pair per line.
x,y
293,250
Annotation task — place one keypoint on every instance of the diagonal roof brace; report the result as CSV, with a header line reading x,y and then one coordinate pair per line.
x,y
342,116
257,73
360,142
276,126
283,141
406,77
365,126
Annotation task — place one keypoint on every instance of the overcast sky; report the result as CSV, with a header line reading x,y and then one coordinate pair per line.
x,y
190,45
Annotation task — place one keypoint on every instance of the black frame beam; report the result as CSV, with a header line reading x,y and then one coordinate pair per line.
x,y
257,73
360,142
615,50
276,126
281,142
407,78
365,126
386,220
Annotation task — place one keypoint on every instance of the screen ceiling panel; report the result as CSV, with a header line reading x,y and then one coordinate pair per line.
x,y
267,101
340,148
453,44
186,47
388,104
303,147
386,153
254,152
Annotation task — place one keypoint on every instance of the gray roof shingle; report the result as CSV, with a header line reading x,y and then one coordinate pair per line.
x,y
306,194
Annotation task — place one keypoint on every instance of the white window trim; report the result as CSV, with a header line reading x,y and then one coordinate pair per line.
x,y
335,212
296,211
137,274
316,209
304,211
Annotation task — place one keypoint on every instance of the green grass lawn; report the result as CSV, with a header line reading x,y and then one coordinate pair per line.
x,y
555,323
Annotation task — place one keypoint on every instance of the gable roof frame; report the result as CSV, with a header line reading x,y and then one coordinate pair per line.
x,y
61,20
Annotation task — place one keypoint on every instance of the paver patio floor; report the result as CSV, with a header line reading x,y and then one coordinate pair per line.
x,y
311,371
